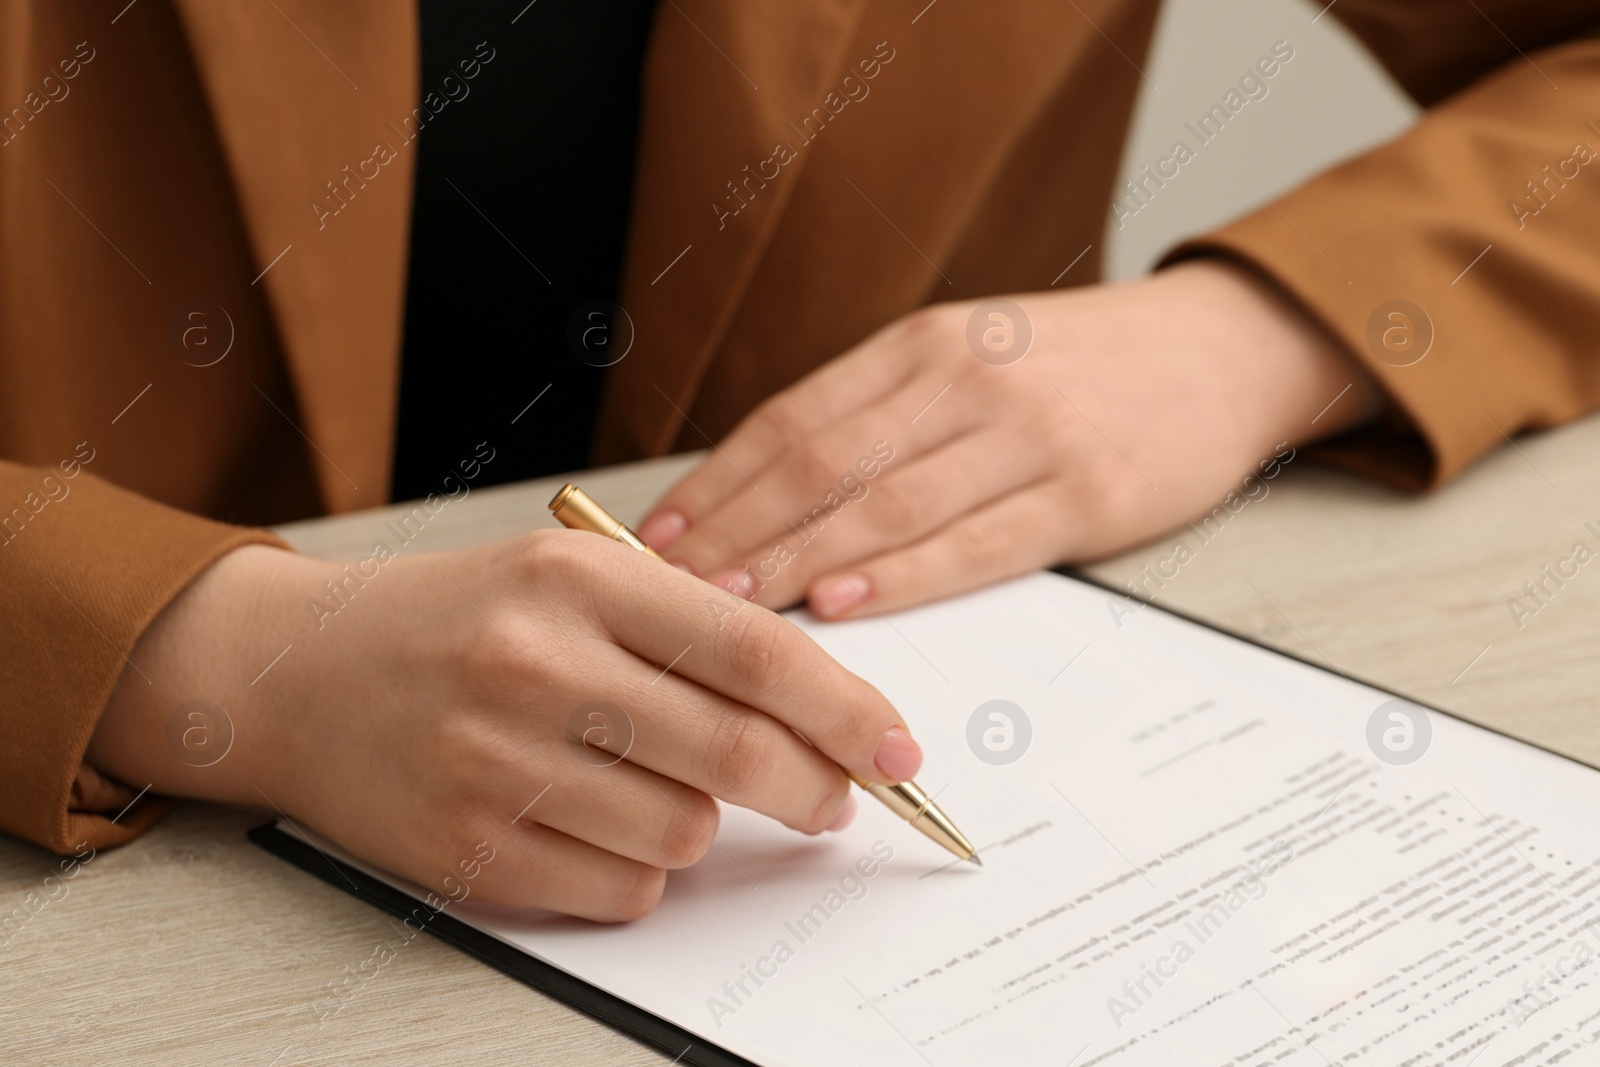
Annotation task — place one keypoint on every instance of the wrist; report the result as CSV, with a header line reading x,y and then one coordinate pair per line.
x,y
1306,378
196,718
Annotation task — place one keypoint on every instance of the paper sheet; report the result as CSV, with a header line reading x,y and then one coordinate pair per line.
x,y
1198,858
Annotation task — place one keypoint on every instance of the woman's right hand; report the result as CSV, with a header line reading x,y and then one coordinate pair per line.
x,y
559,702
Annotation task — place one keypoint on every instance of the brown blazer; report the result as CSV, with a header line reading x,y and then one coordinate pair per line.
x,y
808,170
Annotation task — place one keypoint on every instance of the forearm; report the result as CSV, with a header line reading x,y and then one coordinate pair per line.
x,y
85,567
1476,227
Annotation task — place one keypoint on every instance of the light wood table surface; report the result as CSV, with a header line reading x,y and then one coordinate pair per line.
x,y
191,946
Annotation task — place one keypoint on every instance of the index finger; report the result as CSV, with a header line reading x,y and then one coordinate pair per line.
x,y
838,389
763,661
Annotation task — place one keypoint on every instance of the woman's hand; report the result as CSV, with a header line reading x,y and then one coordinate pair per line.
x,y
542,722
910,468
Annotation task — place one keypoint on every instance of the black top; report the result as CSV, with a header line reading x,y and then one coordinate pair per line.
x,y
525,146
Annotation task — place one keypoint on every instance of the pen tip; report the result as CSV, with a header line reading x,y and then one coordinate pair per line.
x,y
974,860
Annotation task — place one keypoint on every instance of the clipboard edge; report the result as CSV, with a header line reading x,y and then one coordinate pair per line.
x,y
620,1015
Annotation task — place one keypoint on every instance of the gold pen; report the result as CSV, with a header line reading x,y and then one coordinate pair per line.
x,y
577,510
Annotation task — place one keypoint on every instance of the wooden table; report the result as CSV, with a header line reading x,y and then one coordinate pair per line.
x,y
192,946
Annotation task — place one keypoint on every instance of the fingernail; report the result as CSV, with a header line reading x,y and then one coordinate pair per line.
x,y
846,816
663,528
835,596
899,757
739,583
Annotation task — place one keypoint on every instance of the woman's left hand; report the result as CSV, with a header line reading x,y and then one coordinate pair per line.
x,y
913,468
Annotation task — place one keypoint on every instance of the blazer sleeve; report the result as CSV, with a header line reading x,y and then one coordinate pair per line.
x,y
1460,262
85,567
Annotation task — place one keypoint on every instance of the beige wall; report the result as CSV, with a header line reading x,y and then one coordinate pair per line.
x,y
1327,103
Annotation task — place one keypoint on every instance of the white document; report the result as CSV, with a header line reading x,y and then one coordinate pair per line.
x,y
1198,858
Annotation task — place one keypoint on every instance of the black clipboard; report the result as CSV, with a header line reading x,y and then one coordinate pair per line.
x,y
624,1016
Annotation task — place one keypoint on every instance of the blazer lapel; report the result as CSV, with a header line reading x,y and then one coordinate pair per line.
x,y
309,101
717,163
